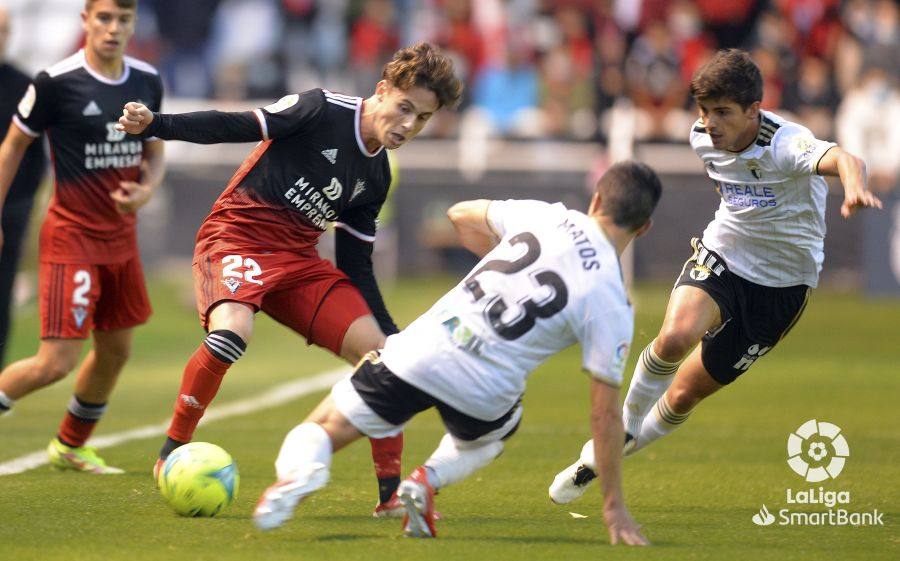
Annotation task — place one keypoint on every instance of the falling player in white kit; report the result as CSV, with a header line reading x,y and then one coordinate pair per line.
x,y
750,275
549,278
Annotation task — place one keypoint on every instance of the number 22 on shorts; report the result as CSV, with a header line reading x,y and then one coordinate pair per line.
x,y
232,263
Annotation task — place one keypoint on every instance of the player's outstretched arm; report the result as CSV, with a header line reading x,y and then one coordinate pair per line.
x,y
609,438
470,219
11,152
852,171
200,127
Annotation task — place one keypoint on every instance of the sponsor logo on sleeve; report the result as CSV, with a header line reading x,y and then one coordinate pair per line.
x,y
283,103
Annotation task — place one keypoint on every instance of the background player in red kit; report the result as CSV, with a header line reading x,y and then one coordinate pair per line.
x,y
321,160
90,273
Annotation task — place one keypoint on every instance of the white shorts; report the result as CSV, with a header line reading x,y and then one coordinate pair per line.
x,y
348,401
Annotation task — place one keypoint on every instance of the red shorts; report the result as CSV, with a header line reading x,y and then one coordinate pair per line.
x,y
76,299
298,289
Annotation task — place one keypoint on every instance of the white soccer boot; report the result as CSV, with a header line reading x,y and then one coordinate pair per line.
x,y
277,503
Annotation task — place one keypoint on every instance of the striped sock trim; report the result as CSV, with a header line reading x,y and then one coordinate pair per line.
x,y
656,365
225,345
665,414
84,411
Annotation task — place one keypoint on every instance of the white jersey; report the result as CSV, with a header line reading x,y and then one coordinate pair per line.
x,y
552,281
770,225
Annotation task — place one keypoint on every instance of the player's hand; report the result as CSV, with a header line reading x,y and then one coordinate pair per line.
x,y
130,196
622,527
862,199
135,118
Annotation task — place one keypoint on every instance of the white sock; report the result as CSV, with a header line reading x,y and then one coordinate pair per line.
x,y
6,403
450,463
587,455
659,424
652,377
306,444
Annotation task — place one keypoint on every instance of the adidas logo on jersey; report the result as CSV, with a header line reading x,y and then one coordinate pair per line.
x,y
330,155
92,109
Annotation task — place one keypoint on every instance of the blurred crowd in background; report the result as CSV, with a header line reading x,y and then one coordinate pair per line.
x,y
544,68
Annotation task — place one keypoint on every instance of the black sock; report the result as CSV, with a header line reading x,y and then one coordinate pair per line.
x,y
387,486
168,447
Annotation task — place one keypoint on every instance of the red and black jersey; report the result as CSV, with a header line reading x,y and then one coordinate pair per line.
x,y
310,168
312,162
78,109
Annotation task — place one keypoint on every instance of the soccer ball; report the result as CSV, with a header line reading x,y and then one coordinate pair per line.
x,y
199,479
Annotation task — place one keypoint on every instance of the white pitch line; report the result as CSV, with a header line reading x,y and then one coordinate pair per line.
x,y
273,397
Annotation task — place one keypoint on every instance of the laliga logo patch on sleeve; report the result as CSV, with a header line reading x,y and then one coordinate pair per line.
x,y
27,102
804,145
283,103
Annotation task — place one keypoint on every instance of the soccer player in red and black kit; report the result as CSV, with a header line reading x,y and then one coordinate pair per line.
x,y
90,273
321,159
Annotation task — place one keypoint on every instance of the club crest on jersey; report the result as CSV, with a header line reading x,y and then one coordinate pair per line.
x,y
358,189
754,168
91,109
334,190
700,272
113,135
330,155
80,314
232,285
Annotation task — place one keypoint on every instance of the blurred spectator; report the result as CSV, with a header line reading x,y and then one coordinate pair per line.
x,y
184,30
773,83
812,97
372,41
867,126
652,71
247,57
314,47
731,22
508,93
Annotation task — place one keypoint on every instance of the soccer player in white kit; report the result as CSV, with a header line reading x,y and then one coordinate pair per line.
x,y
751,273
549,278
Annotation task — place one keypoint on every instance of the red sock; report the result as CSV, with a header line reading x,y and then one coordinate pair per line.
x,y
199,385
79,422
386,453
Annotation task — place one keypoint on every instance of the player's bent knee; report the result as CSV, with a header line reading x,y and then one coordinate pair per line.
x,y
675,342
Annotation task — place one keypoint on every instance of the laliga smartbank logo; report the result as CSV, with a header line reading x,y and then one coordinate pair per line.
x,y
817,451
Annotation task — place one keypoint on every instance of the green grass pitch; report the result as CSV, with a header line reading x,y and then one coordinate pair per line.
x,y
694,491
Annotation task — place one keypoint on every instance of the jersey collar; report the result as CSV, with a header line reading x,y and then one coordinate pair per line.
x,y
126,71
357,118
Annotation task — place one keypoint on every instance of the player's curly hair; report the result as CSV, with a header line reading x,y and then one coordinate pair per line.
x,y
729,74
424,66
629,192
127,4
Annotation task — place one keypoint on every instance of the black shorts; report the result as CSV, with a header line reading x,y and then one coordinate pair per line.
x,y
754,317
396,401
